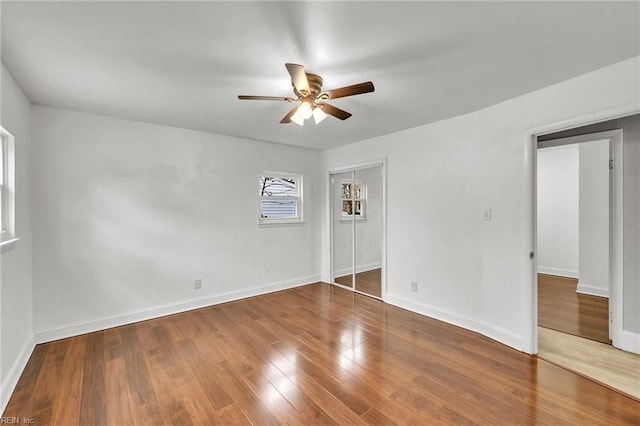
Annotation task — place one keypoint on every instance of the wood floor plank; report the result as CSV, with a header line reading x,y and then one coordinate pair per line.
x,y
94,388
315,354
118,398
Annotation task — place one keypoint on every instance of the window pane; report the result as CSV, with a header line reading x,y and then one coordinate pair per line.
x,y
277,208
277,187
346,190
347,208
358,211
356,190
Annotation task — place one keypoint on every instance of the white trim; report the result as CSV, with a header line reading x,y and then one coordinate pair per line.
x,y
492,331
616,239
8,245
592,290
83,327
628,341
557,271
571,140
529,240
280,222
13,375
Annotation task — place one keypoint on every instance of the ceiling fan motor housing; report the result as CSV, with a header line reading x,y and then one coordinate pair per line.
x,y
315,86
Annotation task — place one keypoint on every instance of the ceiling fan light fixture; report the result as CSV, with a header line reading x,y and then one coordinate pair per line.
x,y
305,110
307,89
297,119
318,115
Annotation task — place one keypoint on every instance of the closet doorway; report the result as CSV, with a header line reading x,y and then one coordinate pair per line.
x,y
357,228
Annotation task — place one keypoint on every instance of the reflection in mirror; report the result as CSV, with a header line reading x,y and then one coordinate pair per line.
x,y
342,192
367,202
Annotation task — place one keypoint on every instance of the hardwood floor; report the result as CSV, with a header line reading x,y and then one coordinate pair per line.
x,y
369,282
560,308
316,354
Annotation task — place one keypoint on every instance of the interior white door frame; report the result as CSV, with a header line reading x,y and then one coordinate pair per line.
x,y
529,263
330,206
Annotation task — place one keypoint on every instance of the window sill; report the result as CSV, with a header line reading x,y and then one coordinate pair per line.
x,y
8,244
275,222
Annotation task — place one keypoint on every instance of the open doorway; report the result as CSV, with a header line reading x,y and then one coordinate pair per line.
x,y
586,294
573,213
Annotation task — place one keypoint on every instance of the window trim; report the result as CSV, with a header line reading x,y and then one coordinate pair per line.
x,y
8,239
299,199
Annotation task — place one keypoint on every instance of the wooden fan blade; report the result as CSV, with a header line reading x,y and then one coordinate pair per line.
x,y
287,118
356,89
336,112
265,98
298,77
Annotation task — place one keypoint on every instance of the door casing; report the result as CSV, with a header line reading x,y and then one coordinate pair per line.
x,y
529,261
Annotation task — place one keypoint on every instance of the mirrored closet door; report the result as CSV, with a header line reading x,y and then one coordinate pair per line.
x,y
342,230
357,240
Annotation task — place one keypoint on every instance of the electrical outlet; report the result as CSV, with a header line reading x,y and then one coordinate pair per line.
x,y
198,283
486,214
414,285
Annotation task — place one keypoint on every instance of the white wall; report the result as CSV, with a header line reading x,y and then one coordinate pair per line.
x,y
128,214
558,210
16,312
594,218
471,272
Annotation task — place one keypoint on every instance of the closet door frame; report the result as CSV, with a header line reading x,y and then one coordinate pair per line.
x,y
331,206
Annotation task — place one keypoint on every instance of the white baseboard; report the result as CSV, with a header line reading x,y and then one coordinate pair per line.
x,y
9,383
492,331
359,269
592,290
628,341
84,327
557,271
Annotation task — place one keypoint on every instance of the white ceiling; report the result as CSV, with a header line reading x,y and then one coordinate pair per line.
x,y
184,63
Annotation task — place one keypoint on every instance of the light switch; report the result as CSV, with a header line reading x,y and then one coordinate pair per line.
x,y
486,214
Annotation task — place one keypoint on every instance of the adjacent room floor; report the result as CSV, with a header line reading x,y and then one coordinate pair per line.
x,y
316,354
598,361
560,308
574,334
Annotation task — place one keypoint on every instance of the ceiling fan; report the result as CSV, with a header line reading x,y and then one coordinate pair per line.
x,y
307,88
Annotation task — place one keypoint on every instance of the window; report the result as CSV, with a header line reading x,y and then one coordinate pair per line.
x,y
280,198
7,192
354,199
3,180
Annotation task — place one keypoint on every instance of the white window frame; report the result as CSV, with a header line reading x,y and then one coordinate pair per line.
x,y
345,217
299,217
8,238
